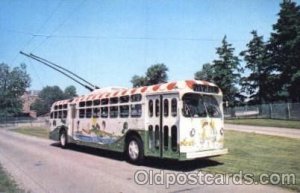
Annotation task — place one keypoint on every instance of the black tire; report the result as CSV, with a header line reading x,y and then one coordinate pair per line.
x,y
63,139
134,150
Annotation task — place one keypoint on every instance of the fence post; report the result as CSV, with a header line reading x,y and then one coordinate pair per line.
x,y
288,111
270,111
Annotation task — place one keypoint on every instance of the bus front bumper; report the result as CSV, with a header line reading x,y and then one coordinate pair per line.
x,y
208,153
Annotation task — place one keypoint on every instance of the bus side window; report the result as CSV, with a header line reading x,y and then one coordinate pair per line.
x,y
174,138
104,112
166,107
96,102
96,112
150,108
157,107
51,115
124,111
174,107
55,115
65,114
88,113
113,112
89,103
59,114
136,110
81,113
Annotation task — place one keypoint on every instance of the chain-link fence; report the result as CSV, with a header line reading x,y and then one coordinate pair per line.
x,y
289,111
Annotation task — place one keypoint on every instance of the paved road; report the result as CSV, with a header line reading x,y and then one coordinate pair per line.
x,y
40,166
283,132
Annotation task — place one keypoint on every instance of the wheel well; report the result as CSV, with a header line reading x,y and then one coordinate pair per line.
x,y
62,129
130,134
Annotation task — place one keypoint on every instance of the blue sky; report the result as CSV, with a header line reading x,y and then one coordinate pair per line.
x,y
107,42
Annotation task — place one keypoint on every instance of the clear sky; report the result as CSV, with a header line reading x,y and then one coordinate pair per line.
x,y
108,41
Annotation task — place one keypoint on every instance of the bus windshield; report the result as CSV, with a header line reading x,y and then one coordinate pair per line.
x,y
195,105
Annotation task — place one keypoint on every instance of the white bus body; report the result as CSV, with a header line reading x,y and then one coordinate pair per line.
x,y
179,120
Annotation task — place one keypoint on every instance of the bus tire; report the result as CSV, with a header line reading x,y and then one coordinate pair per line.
x,y
63,139
135,150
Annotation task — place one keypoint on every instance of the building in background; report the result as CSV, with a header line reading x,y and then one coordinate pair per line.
x,y
28,98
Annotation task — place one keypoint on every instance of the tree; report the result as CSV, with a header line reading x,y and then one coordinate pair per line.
x,y
70,92
155,74
227,71
138,81
49,95
257,84
284,50
207,73
13,84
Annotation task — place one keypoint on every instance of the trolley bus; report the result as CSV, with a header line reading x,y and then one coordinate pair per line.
x,y
180,120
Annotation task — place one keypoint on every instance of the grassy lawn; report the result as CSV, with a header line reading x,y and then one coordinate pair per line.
x,y
265,122
257,154
7,185
33,131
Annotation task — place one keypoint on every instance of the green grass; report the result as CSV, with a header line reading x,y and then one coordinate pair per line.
x,y
33,131
266,122
257,154
8,185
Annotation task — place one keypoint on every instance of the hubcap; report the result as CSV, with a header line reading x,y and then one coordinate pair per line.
x,y
63,139
133,150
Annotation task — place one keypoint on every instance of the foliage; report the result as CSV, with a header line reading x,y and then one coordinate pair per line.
x,y
284,51
257,84
207,73
70,92
13,83
49,95
155,74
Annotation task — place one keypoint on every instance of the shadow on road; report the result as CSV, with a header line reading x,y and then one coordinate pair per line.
x,y
168,164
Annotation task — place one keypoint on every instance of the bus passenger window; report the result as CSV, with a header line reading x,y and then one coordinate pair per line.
x,y
88,103
96,102
55,115
55,107
96,112
51,115
166,137
174,107
124,99
59,114
174,138
157,107
88,113
166,107
82,104
136,110
60,106
65,114
150,134
113,112
156,137
81,113
65,106
104,101
113,100
104,112
124,111
136,97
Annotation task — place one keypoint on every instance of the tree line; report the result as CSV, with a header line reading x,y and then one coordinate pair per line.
x,y
266,71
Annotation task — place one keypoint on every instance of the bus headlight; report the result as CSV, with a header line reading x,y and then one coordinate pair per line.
x,y
192,132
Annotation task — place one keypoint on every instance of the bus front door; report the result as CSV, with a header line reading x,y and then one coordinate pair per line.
x,y
162,125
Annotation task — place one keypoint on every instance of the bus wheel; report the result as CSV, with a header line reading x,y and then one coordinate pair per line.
x,y
63,139
135,150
